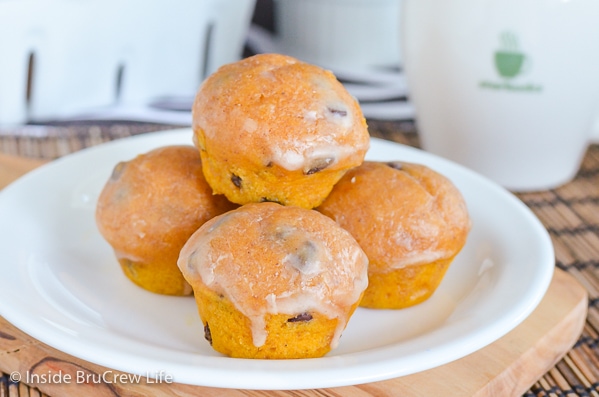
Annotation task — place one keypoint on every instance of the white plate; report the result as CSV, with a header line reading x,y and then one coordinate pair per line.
x,y
62,285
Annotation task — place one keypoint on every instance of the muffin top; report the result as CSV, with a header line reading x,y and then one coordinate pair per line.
x,y
272,109
152,203
401,213
268,258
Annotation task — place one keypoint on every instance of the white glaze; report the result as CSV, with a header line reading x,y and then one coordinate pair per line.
x,y
299,155
318,270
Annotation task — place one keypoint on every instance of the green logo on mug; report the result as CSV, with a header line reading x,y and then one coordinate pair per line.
x,y
509,60
508,64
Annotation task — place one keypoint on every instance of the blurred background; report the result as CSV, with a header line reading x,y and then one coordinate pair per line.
x,y
65,60
78,73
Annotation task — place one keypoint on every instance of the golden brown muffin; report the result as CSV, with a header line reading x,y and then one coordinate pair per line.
x,y
148,209
272,128
273,281
410,220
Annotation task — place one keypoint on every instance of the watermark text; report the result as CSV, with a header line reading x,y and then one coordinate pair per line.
x,y
87,377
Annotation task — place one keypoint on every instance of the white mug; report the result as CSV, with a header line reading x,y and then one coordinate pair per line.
x,y
508,88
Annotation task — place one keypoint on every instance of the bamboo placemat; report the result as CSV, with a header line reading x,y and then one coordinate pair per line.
x,y
570,214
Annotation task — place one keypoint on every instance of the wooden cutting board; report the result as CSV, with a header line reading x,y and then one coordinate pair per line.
x,y
507,367
12,167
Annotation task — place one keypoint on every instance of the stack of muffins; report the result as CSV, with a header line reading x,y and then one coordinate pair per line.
x,y
274,221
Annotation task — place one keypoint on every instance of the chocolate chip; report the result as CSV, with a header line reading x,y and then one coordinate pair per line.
x,y
118,171
300,318
317,165
338,112
207,333
236,180
267,200
131,267
394,164
303,258
191,260
307,251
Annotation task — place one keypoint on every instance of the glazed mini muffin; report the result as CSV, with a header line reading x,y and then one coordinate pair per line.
x,y
410,220
148,209
273,281
272,128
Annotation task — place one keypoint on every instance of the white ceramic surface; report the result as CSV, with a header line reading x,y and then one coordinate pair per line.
x,y
508,88
350,34
62,285
86,55
381,91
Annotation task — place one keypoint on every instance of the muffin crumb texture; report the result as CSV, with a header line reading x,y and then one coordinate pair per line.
x,y
273,219
274,281
410,220
272,128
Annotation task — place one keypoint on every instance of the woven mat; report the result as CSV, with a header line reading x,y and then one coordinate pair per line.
x,y
570,213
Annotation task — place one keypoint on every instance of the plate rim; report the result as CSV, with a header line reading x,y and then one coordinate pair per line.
x,y
277,382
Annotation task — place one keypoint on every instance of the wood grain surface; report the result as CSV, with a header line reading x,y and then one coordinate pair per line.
x,y
13,167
